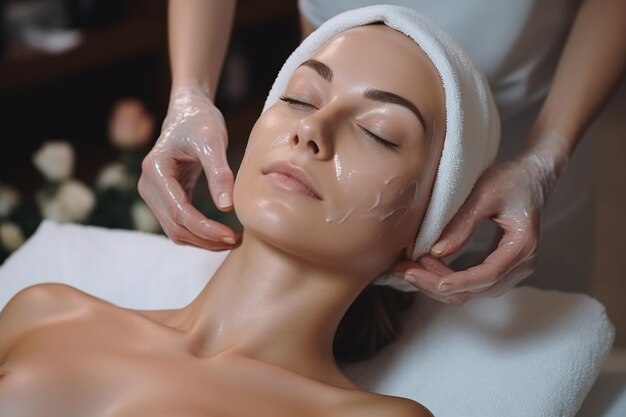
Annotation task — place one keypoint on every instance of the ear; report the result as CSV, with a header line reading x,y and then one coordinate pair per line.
x,y
408,251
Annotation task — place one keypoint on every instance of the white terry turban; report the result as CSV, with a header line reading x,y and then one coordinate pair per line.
x,y
472,122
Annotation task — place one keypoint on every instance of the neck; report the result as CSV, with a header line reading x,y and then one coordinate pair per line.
x,y
274,307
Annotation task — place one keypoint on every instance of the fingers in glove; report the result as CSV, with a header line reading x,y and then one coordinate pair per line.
x,y
426,274
512,251
219,176
499,288
517,275
182,236
173,210
221,186
463,225
456,300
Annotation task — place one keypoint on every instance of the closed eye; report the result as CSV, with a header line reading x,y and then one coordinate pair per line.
x,y
378,139
297,104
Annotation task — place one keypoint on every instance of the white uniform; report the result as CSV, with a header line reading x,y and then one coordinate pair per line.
x,y
517,44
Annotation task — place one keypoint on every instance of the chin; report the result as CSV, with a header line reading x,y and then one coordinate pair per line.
x,y
280,225
288,221
338,248
297,225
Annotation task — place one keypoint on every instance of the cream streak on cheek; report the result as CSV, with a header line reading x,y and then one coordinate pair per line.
x,y
381,201
280,141
364,195
337,164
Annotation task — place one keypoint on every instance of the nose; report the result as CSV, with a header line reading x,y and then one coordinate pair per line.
x,y
314,135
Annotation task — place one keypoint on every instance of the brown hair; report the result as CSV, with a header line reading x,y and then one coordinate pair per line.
x,y
372,322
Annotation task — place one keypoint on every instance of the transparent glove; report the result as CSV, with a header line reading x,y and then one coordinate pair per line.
x,y
511,195
193,139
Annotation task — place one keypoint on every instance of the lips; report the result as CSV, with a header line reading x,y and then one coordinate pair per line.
x,y
291,178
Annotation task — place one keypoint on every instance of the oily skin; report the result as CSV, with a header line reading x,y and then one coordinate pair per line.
x,y
360,180
258,339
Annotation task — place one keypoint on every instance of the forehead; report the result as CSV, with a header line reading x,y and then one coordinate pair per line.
x,y
376,56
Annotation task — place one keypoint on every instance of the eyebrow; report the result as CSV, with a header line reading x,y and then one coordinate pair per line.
x,y
322,69
388,97
326,73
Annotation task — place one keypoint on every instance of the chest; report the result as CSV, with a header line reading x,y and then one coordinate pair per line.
x,y
78,370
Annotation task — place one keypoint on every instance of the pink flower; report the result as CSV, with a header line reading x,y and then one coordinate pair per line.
x,y
130,125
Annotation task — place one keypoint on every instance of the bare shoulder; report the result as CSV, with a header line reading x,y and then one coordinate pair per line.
x,y
44,300
37,305
378,405
384,406
404,407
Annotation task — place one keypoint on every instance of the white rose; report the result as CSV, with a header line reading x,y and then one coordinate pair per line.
x,y
142,217
11,236
9,199
52,209
74,202
55,160
130,125
113,176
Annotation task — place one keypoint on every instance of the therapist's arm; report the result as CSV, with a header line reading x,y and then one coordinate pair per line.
x,y
193,138
590,68
512,194
198,34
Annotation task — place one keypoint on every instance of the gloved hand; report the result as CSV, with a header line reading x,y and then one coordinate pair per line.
x,y
193,138
510,194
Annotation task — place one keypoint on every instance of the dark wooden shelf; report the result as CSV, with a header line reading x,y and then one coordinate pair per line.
x,y
69,96
142,31
136,34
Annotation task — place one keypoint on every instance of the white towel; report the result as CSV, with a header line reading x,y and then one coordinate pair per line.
x,y
129,268
472,122
528,353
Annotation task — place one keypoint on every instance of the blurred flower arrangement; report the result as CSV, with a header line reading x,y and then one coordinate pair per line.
x,y
113,201
119,204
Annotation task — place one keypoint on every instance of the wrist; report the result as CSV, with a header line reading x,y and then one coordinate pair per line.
x,y
547,152
545,158
190,89
182,96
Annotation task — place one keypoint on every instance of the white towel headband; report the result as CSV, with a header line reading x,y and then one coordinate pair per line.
x,y
472,122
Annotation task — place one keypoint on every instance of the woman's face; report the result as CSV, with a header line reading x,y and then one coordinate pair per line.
x,y
339,171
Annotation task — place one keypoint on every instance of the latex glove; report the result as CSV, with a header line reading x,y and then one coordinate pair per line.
x,y
510,194
193,138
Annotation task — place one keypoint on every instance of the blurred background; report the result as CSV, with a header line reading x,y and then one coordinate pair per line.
x,y
88,81
85,83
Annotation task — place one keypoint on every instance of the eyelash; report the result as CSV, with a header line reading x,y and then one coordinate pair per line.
x,y
378,139
294,102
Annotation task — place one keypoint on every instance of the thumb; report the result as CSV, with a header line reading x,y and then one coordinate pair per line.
x,y
460,229
220,179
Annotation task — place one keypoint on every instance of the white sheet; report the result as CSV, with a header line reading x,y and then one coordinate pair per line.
x,y
529,353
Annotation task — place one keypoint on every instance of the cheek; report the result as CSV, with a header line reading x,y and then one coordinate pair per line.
x,y
374,217
271,130
382,195
290,222
279,219
367,222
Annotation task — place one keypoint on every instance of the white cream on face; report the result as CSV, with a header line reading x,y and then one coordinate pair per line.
x,y
366,156
338,167
280,141
380,201
363,191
